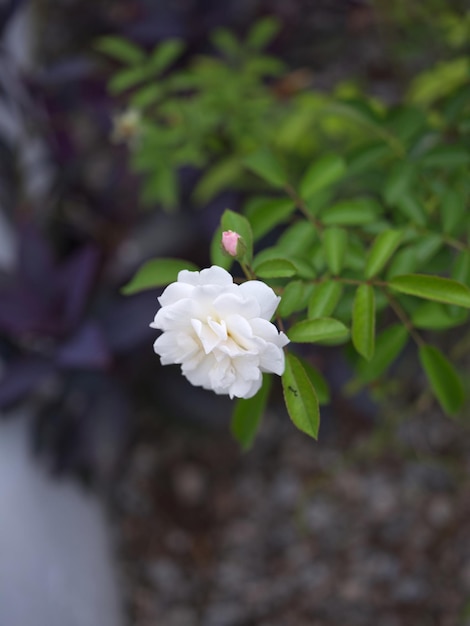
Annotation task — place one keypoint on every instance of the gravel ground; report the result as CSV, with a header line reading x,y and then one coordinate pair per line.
x,y
360,530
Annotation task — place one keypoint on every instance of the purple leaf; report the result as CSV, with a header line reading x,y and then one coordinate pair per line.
x,y
87,348
21,376
21,310
36,261
126,321
76,278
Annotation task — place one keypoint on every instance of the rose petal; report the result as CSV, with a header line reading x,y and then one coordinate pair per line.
x,y
263,294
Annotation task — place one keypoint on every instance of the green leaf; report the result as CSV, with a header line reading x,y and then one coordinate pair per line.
x,y
266,213
366,156
411,208
165,54
239,224
403,262
298,238
361,114
363,321
354,212
320,329
161,187
294,298
335,245
433,288
300,397
121,50
226,42
398,182
318,381
322,173
388,346
217,178
264,164
157,273
443,379
452,210
461,268
275,268
451,156
439,80
247,415
262,33
324,299
125,79
382,250
436,316
146,96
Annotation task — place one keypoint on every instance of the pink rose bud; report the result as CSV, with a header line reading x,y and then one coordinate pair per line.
x,y
230,242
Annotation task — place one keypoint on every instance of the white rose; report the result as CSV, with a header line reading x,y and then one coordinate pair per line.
x,y
220,332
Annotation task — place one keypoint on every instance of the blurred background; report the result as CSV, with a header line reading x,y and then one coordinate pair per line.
x,y
367,526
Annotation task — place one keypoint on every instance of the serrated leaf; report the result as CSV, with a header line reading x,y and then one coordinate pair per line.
x,y
157,273
334,244
443,379
354,212
320,329
239,224
300,397
363,321
275,268
247,415
265,164
433,288
382,250
388,346
324,299
121,50
322,173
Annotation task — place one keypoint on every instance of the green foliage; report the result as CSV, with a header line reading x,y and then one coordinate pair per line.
x,y
211,114
247,415
443,378
300,397
157,273
365,205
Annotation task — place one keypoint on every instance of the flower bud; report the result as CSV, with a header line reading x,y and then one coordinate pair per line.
x,y
230,241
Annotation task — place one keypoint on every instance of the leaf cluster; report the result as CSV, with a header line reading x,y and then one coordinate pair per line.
x,y
357,216
208,112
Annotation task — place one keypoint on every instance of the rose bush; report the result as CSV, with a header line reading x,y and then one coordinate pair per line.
x,y
219,332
